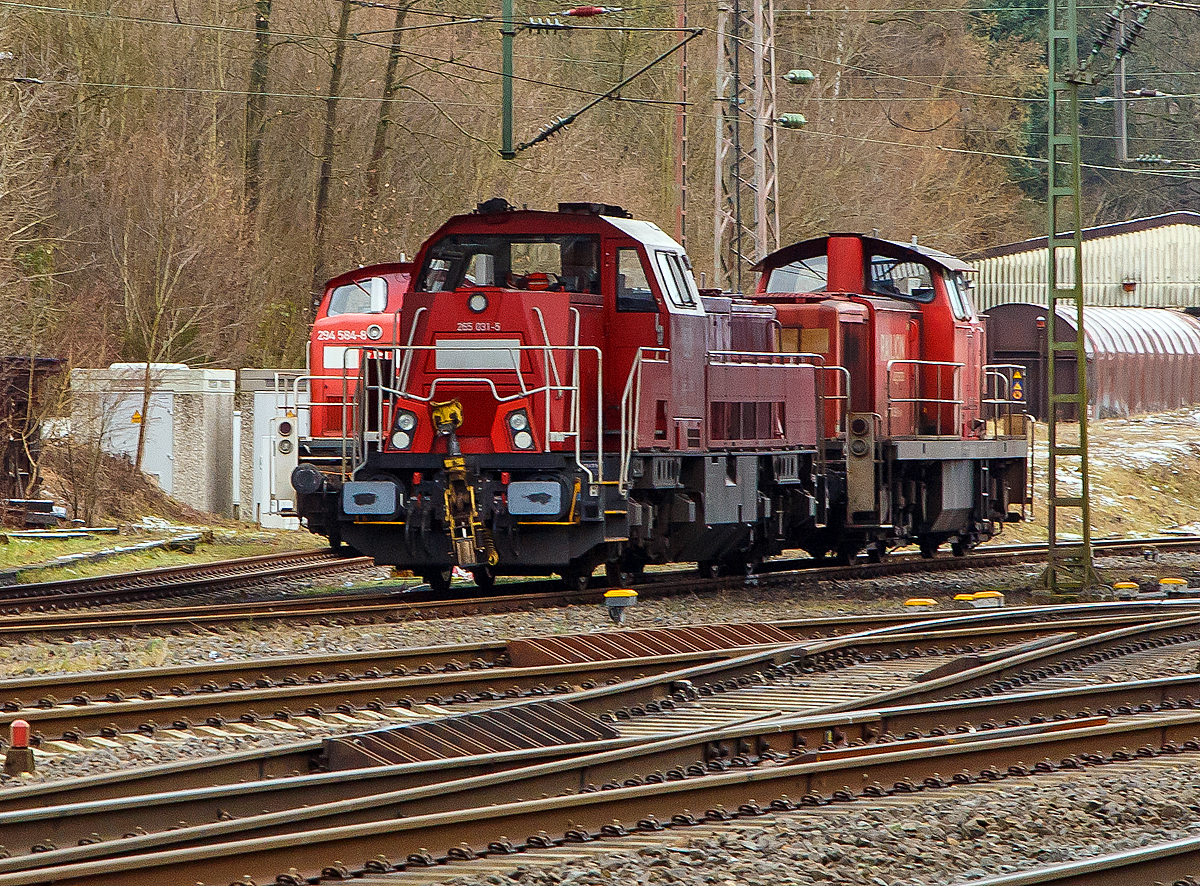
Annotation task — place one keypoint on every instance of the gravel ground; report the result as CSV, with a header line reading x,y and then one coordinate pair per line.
x,y
942,837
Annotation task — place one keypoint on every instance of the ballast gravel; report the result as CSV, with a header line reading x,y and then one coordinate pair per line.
x,y
936,838
803,598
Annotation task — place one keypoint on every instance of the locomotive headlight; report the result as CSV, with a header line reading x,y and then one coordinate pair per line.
x,y
374,332
518,421
406,421
285,429
523,440
401,440
285,447
478,302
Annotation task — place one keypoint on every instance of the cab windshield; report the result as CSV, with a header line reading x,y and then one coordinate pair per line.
x,y
367,296
560,263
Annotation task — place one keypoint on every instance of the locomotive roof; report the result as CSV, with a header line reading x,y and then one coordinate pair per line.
x,y
376,270
815,245
645,232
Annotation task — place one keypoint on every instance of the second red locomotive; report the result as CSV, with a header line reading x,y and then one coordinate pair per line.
x,y
560,396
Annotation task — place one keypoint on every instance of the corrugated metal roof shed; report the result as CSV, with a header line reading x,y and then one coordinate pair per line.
x,y
1139,359
1147,262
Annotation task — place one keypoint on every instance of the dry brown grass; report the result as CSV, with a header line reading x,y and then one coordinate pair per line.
x,y
1144,474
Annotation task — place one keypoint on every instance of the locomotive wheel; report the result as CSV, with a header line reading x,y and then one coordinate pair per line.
x,y
339,547
577,577
928,548
708,569
484,577
875,553
958,549
622,574
439,579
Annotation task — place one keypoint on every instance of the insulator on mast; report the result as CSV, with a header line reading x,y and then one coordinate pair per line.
x,y
1107,27
538,25
1133,33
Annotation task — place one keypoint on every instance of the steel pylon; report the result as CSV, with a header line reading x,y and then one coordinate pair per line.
x,y
746,160
1069,570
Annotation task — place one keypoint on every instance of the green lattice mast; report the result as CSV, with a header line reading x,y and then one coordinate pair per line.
x,y
1069,569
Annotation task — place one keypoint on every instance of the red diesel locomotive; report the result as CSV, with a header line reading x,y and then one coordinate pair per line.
x,y
559,395
360,308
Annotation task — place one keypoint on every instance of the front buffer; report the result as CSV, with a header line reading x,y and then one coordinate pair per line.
x,y
492,514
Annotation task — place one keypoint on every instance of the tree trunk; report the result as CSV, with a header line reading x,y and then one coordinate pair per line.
x,y
326,174
390,87
256,104
147,389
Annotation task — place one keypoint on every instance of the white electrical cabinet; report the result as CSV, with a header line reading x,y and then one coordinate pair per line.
x,y
187,419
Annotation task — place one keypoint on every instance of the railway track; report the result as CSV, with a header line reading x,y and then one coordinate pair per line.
x,y
275,694
173,581
36,615
986,713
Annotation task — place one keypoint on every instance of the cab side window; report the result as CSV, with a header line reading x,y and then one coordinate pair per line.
x,y
684,281
960,303
899,278
367,296
675,281
633,288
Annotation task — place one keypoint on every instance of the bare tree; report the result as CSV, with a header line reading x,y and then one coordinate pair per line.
x,y
391,85
327,147
256,104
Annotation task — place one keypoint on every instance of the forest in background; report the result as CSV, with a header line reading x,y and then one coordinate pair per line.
x,y
177,177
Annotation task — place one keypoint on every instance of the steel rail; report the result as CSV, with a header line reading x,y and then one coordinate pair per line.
x,y
245,765
383,792
110,718
342,850
175,580
18,693
633,682
1176,861
21,692
171,776
367,609
424,603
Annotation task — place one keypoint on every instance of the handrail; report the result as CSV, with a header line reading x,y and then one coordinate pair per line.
x,y
631,408
1002,405
955,400
551,383
402,381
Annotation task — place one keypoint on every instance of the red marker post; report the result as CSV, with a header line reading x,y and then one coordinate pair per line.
x,y
19,757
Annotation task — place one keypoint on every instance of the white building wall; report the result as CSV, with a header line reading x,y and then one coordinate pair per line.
x,y
189,426
1162,263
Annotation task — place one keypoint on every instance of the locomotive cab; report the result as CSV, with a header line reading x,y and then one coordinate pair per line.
x,y
359,308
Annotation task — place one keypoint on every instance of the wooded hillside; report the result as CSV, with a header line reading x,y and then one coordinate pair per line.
x,y
184,173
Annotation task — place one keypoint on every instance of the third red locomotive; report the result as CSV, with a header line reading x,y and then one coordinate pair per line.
x,y
559,395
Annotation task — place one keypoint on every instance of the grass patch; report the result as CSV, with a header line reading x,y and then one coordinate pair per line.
x,y
1144,478
229,545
